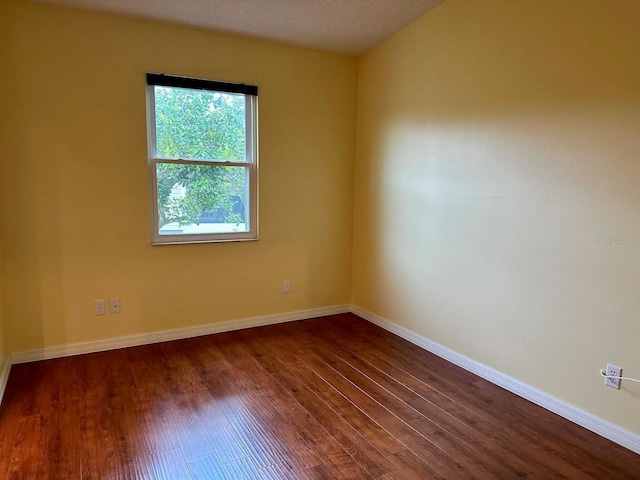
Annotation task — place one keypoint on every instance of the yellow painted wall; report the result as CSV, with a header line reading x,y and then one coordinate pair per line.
x,y
4,125
3,342
498,152
74,190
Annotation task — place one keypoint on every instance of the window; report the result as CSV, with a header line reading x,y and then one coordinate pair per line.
x,y
202,138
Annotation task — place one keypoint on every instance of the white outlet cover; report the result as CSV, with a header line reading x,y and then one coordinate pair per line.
x,y
114,305
100,307
613,371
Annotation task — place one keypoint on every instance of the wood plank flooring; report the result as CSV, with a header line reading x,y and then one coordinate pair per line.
x,y
330,398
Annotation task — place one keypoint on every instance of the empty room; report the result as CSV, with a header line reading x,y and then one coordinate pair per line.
x,y
319,239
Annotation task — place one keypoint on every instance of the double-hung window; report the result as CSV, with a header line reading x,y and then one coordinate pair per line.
x,y
202,139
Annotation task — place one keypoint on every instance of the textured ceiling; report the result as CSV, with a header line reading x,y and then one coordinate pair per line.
x,y
343,26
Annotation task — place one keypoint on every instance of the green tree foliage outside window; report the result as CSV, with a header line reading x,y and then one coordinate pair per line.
x,y
199,125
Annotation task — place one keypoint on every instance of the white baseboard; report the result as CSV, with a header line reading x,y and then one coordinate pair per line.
x,y
4,376
168,335
585,419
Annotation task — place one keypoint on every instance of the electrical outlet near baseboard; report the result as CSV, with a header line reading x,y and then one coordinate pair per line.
x,y
613,371
114,305
99,306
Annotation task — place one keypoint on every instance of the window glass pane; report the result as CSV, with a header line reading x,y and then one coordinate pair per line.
x,y
200,124
197,199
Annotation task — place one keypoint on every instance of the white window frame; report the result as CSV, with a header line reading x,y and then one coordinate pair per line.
x,y
251,165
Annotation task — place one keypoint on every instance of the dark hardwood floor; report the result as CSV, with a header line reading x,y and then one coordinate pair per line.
x,y
320,399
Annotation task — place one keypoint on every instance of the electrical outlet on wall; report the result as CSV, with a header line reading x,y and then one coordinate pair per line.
x,y
99,307
613,371
286,286
114,305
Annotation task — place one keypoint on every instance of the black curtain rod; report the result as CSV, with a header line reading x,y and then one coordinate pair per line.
x,y
200,84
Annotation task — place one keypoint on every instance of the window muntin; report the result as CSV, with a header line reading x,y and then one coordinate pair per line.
x,y
202,160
